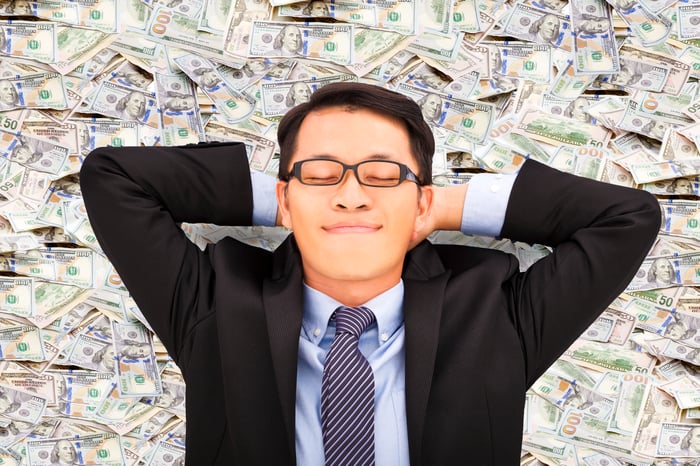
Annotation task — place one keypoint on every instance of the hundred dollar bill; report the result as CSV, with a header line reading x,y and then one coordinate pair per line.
x,y
167,453
468,118
600,330
675,146
685,390
342,11
100,449
137,371
213,16
624,325
30,40
675,440
638,73
262,148
92,353
567,84
278,97
101,15
43,90
553,129
109,132
679,71
676,186
669,108
500,159
78,45
33,152
53,300
332,42
179,112
637,122
594,47
655,171
680,217
438,46
21,343
659,407
233,104
21,406
114,408
81,386
662,272
72,266
465,16
648,27
523,60
588,431
540,26
125,103
65,134
374,47
172,28
240,23
633,391
649,317
17,295
602,357
501,131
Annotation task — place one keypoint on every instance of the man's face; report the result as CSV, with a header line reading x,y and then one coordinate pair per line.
x,y
695,439
137,79
181,103
8,93
664,271
22,154
65,451
318,9
593,26
291,38
578,110
301,93
210,79
348,233
431,107
683,186
549,27
135,105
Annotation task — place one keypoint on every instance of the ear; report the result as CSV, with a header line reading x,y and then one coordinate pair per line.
x,y
283,215
423,225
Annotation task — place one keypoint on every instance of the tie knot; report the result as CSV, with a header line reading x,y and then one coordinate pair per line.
x,y
353,320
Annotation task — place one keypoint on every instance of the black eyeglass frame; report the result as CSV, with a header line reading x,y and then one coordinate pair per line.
x,y
405,173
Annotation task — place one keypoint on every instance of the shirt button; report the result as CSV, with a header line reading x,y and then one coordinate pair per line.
x,y
495,188
317,332
384,336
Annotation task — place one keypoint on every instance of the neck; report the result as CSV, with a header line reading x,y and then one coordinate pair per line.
x,y
352,292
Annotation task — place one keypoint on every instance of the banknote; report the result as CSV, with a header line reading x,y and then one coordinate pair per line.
x,y
179,112
53,300
465,16
17,295
471,119
438,46
114,408
649,317
594,47
92,353
137,372
36,153
649,28
632,393
680,217
21,343
624,325
172,28
654,171
332,42
688,21
636,72
261,148
101,15
675,440
567,84
100,132
278,97
101,448
235,105
679,71
524,60
588,431
500,159
213,16
78,45
42,90
554,129
601,357
675,146
540,26
167,453
502,131
374,47
126,103
635,121
65,134
600,330
29,39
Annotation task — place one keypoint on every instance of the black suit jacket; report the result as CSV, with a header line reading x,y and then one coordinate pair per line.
x,y
478,332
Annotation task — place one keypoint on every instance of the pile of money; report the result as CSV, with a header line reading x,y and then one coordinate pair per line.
x,y
605,89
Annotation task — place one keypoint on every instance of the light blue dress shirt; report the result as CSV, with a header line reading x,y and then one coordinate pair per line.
x,y
382,343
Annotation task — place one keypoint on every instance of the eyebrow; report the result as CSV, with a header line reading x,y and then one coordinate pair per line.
x,y
333,157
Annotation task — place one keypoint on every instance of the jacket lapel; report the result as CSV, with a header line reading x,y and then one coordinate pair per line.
x,y
282,297
424,288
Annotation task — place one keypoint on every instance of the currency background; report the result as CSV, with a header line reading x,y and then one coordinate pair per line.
x,y
606,89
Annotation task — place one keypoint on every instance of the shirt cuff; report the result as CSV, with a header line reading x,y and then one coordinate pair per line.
x,y
264,199
485,204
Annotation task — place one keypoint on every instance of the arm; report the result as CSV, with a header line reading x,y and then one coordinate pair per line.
x,y
137,196
600,234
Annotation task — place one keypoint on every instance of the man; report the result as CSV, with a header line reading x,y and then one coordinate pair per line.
x,y
460,333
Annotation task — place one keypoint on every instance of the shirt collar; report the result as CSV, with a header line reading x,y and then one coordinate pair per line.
x,y
318,308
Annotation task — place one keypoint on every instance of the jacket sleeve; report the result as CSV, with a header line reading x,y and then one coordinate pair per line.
x,y
600,234
136,197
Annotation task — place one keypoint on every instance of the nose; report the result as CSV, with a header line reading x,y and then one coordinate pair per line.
x,y
350,194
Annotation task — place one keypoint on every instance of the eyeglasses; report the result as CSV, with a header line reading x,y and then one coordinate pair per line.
x,y
375,173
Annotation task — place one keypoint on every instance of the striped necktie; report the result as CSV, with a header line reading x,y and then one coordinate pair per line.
x,y
347,393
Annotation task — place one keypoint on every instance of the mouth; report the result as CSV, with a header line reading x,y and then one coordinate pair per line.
x,y
351,228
